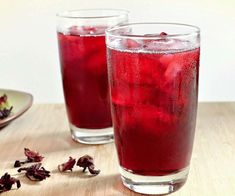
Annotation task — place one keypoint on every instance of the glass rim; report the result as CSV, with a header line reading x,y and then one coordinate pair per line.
x,y
67,13
110,31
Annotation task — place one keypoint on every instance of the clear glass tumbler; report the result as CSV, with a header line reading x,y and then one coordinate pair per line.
x,y
153,71
81,39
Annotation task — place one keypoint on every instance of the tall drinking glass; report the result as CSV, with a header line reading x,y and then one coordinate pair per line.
x,y
153,73
81,38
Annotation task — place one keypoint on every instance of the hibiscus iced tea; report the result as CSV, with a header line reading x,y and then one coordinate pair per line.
x,y
154,90
81,39
84,76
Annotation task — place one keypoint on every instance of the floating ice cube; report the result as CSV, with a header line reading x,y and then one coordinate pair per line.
x,y
95,63
94,30
166,59
150,116
132,44
173,69
84,30
165,45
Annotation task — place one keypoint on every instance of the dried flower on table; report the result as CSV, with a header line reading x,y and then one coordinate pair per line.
x,y
6,182
35,172
67,165
32,156
17,163
93,171
87,161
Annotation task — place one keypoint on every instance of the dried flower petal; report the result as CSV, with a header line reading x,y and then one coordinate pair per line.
x,y
5,109
5,112
67,165
33,156
93,171
87,161
3,99
6,182
17,163
35,172
163,34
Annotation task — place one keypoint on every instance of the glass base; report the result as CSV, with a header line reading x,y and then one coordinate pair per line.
x,y
154,185
91,136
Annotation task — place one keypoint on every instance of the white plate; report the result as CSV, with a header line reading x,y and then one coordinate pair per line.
x,y
20,101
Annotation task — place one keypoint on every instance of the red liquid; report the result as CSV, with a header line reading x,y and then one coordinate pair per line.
x,y
154,104
84,75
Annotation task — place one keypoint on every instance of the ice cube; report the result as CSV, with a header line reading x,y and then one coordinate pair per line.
x,y
86,30
75,30
166,45
137,68
94,30
126,95
132,44
121,94
158,45
166,59
173,69
69,48
172,80
96,63
149,118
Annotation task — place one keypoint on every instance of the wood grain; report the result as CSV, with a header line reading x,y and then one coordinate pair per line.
x,y
44,128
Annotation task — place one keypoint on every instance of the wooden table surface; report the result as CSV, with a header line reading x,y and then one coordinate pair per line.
x,y
44,128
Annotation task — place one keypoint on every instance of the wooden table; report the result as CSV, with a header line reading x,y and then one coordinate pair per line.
x,y
44,128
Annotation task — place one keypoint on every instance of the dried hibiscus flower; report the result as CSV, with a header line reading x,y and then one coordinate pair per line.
x,y
3,99
35,172
67,165
5,112
163,34
87,161
6,182
5,108
32,156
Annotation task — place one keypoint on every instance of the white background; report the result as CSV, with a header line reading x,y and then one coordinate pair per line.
x,y
28,44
